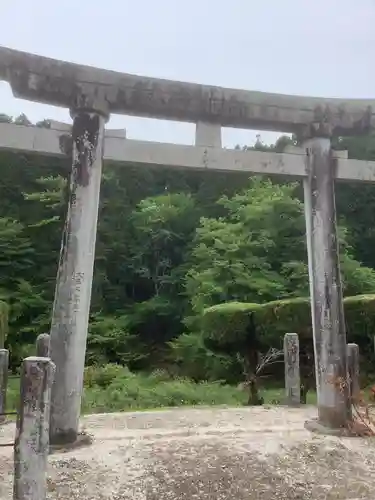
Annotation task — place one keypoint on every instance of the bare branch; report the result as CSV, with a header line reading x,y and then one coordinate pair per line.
x,y
270,357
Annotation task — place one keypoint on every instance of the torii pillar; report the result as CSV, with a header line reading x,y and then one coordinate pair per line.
x,y
327,311
71,308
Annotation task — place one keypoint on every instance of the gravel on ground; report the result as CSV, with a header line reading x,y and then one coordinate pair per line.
x,y
260,453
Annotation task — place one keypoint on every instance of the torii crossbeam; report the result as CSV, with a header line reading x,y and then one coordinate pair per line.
x,y
92,94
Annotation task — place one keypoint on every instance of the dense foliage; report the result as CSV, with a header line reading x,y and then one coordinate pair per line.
x,y
170,245
226,325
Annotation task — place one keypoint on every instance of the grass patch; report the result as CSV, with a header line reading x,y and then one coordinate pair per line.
x,y
128,391
13,394
276,396
142,392
113,388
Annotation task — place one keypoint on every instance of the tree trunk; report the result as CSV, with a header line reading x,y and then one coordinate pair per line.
x,y
254,398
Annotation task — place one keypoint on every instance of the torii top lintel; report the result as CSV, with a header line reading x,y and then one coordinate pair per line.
x,y
70,85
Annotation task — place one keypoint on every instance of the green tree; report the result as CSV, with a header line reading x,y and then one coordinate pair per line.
x,y
162,230
18,288
255,254
356,201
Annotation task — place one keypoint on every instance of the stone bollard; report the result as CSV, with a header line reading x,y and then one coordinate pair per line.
x,y
32,432
4,363
352,354
42,345
292,375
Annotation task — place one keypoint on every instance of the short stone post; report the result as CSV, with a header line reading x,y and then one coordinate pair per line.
x,y
42,345
292,374
4,363
32,433
352,353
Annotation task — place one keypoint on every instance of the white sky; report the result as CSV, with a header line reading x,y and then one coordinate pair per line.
x,y
314,47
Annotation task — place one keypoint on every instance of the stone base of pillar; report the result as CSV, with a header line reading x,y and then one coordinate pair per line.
x,y
316,426
286,402
332,417
63,438
81,440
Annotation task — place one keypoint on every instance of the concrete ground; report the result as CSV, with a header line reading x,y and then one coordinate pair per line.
x,y
214,453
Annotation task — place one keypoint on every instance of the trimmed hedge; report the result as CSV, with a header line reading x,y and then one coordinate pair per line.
x,y
3,323
227,323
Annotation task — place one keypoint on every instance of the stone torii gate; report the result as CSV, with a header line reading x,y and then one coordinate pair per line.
x,y
91,94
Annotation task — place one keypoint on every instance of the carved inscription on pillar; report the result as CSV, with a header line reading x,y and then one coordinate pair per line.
x,y
78,279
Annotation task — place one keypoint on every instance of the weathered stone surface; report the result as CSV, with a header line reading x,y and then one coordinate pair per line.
x,y
291,163
77,86
74,280
208,135
42,345
292,374
352,351
32,432
325,286
4,363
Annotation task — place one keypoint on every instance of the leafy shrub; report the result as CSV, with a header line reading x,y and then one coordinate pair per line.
x,y
109,341
229,321
198,362
18,353
103,376
160,375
